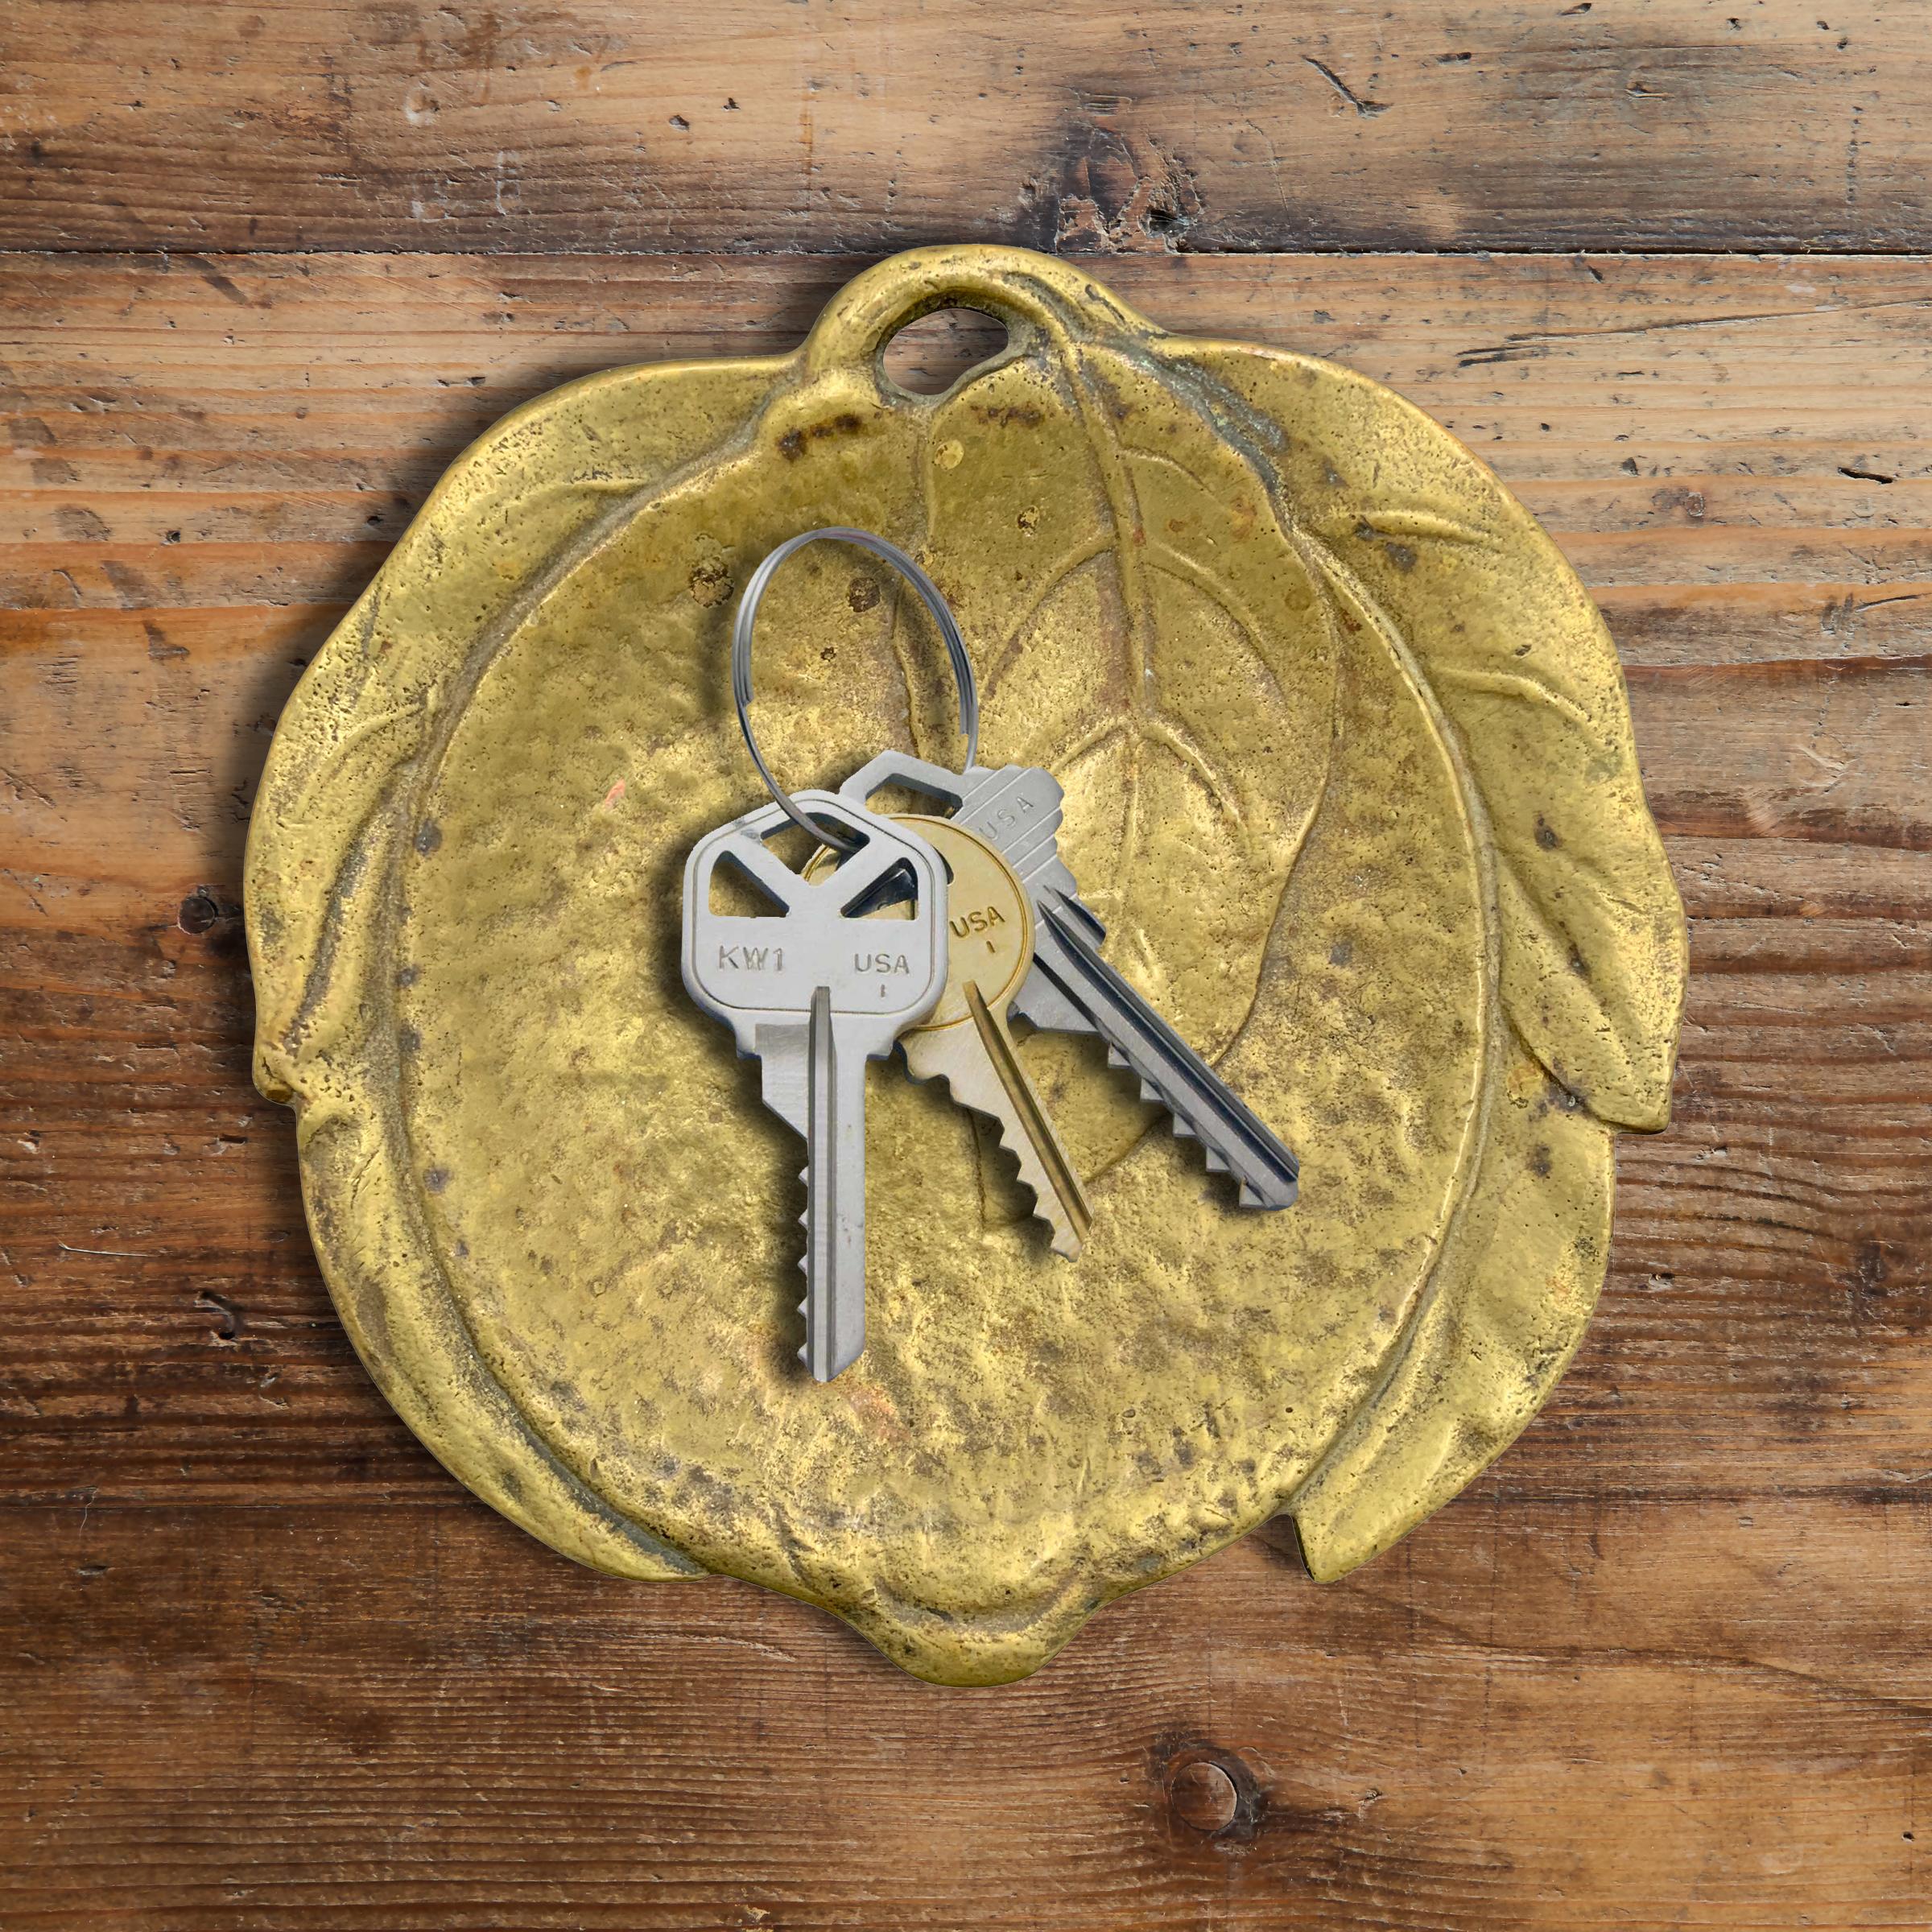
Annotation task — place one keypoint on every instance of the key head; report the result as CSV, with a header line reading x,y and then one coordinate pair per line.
x,y
989,922
881,975
1017,808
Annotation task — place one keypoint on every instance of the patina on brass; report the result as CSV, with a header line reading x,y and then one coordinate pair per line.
x,y
1349,776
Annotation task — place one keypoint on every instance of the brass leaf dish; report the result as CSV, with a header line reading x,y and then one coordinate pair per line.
x,y
1349,777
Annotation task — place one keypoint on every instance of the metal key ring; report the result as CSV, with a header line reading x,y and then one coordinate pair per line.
x,y
741,660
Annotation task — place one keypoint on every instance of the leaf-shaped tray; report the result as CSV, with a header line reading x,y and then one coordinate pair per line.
x,y
1349,777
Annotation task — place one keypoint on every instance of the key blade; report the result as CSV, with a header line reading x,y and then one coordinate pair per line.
x,y
1066,959
1044,1001
1041,1001
834,1306
979,1065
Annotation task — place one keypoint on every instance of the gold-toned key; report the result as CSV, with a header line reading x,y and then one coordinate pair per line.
x,y
965,1041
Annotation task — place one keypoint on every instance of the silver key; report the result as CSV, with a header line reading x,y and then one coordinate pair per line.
x,y
814,993
1071,988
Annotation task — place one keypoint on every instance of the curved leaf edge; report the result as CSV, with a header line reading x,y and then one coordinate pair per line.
x,y
1482,1358
1641,1102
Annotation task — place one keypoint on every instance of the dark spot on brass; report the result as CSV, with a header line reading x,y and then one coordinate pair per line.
x,y
791,445
862,593
1545,834
408,1040
1401,556
436,1179
429,838
710,582
408,975
1011,415
1540,1161
1342,952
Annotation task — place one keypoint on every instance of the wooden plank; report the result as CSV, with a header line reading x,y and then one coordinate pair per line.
x,y
859,126
381,1721
1764,1328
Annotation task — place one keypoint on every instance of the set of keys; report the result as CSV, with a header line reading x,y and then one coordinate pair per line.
x,y
989,923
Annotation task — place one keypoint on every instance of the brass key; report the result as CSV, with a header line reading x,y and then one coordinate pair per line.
x,y
965,1041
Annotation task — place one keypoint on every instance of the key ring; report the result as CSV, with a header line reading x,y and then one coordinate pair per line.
x,y
740,661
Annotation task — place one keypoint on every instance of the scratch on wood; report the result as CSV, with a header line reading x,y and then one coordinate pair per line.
x,y
1367,109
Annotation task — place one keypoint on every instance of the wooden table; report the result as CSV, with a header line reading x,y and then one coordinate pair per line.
x,y
265,1666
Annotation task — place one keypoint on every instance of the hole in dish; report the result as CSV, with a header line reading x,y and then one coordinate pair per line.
x,y
928,356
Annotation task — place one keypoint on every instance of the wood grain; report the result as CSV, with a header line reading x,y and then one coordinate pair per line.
x,y
386,1720
265,1666
861,125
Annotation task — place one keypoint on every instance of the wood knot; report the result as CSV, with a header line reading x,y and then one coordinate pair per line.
x,y
198,912
1204,1797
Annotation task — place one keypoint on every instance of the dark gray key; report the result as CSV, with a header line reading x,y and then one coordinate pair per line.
x,y
1072,987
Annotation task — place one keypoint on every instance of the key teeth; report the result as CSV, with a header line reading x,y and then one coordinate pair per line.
x,y
1216,1163
1065,1242
1062,1236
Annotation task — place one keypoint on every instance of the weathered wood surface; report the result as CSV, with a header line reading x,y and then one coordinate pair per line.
x,y
391,1720
265,1666
869,125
